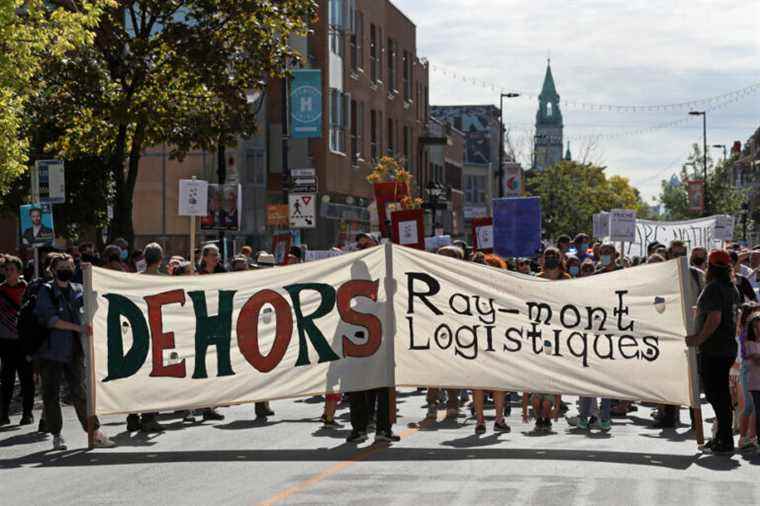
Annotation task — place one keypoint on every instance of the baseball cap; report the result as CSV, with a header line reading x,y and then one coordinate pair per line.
x,y
719,258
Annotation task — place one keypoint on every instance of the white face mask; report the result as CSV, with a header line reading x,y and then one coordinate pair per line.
x,y
141,265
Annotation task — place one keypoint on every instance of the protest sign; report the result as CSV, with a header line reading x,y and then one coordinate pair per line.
x,y
36,223
601,225
517,226
724,228
622,225
482,234
381,317
696,195
49,181
224,204
699,232
193,197
436,242
281,248
314,255
408,228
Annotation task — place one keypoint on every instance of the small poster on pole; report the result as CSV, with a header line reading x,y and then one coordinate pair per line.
x,y
408,228
623,225
193,197
601,225
696,192
224,204
36,225
281,248
482,234
724,228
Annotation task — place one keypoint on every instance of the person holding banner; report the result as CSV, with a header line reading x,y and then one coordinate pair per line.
x,y
552,266
716,339
59,308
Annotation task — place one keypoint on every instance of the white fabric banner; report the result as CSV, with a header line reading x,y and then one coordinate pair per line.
x,y
699,232
163,343
618,335
160,342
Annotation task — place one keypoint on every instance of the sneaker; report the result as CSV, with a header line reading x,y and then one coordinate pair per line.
x,y
27,419
539,427
547,425
386,437
188,417
583,423
212,414
747,443
501,426
329,424
722,449
480,428
59,443
605,425
149,426
432,412
356,437
42,427
103,441
572,421
133,423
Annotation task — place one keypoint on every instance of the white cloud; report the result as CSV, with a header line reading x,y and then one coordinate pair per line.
x,y
635,52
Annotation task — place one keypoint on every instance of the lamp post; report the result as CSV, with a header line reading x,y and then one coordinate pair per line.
x,y
722,146
500,172
435,191
704,155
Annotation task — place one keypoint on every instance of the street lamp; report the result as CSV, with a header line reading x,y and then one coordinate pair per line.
x,y
435,191
502,96
704,154
722,146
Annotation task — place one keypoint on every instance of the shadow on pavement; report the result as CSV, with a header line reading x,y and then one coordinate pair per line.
x,y
23,439
82,458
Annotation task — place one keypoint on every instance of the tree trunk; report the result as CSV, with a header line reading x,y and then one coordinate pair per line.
x,y
116,166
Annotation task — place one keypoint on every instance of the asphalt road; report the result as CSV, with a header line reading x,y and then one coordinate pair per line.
x,y
290,459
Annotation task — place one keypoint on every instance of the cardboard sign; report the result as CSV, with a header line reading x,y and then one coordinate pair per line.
x,y
408,228
281,248
49,181
517,226
434,243
315,255
223,208
601,225
724,228
622,225
302,209
193,197
696,192
482,234
36,222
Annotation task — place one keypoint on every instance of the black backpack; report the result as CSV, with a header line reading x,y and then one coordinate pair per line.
x,y
30,332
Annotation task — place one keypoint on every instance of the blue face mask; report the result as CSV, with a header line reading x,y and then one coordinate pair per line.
x,y
606,260
584,247
124,255
574,270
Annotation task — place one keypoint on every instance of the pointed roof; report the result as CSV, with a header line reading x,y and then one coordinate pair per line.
x,y
549,90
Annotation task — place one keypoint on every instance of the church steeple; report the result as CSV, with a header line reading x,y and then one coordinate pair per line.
x,y
548,142
568,154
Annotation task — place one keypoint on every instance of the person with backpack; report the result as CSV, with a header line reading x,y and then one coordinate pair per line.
x,y
59,309
14,360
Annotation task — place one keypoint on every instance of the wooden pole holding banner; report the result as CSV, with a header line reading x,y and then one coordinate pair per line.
x,y
192,244
689,299
89,313
390,290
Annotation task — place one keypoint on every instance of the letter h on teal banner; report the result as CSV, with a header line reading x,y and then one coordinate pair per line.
x,y
306,104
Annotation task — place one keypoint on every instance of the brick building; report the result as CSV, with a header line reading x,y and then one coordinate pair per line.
x,y
374,102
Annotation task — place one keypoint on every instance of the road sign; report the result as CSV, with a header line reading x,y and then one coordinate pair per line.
x,y
49,181
304,189
305,181
302,210
303,173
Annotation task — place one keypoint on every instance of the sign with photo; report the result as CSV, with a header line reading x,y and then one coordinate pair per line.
x,y
482,234
37,225
696,192
281,247
408,228
223,208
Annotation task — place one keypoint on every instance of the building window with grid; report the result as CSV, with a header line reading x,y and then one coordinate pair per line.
x,y
391,137
408,147
392,65
475,189
407,84
340,115
373,53
357,132
357,42
373,137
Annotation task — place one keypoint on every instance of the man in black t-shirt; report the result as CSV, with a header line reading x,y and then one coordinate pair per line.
x,y
716,338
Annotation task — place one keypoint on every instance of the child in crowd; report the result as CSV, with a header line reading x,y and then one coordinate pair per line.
x,y
750,352
545,407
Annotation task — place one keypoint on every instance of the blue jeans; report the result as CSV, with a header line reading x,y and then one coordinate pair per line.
x,y
604,409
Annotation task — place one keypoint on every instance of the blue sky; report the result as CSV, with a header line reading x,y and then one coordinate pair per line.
x,y
634,52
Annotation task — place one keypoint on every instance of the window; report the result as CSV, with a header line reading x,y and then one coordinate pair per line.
x,y
408,146
373,53
549,109
391,137
391,65
357,42
340,116
373,137
257,174
475,189
407,76
357,131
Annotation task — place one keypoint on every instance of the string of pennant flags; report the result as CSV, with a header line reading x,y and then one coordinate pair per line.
x,y
588,106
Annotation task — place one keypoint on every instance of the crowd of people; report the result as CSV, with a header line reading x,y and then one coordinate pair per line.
x,y
42,337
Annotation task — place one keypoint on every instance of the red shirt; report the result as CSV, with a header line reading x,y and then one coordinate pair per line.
x,y
14,292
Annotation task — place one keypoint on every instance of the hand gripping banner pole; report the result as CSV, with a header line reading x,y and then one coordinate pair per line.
x,y
688,297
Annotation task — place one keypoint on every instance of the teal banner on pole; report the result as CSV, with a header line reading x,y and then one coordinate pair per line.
x,y
306,104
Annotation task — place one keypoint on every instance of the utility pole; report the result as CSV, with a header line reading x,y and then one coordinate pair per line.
x,y
704,156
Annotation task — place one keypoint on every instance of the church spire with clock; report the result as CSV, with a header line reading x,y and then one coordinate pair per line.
x,y
547,147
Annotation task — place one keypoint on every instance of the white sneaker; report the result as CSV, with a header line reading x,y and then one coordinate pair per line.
x,y
59,443
103,441
572,421
747,443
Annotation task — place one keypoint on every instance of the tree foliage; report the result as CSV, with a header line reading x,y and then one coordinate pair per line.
x,y
722,197
32,32
166,71
571,193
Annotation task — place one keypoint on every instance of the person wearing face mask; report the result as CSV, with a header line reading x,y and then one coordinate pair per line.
x,y
112,258
582,245
573,266
607,259
551,265
741,282
698,258
59,307
123,254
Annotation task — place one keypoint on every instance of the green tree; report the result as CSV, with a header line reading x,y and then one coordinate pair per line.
x,y
167,71
32,31
722,197
571,193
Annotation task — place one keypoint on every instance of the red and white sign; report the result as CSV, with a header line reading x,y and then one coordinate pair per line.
x,y
408,228
696,190
482,234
